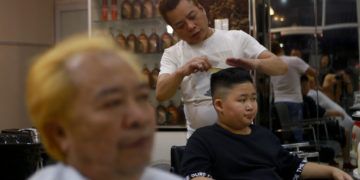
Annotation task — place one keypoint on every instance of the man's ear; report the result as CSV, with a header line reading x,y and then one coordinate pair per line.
x,y
58,135
218,105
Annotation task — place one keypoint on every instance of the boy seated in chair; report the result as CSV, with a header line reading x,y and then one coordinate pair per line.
x,y
235,148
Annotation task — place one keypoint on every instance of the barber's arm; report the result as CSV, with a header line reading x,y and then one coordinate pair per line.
x,y
311,72
266,62
167,84
314,170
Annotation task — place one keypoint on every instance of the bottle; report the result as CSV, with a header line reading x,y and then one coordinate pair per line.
x,y
131,42
114,10
126,10
147,74
173,113
148,9
154,76
154,42
175,38
166,41
104,10
143,43
161,115
137,7
121,40
157,12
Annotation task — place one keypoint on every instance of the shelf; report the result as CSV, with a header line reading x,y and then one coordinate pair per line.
x,y
155,20
151,60
171,128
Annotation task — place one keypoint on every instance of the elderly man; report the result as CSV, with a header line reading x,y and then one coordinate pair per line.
x,y
89,102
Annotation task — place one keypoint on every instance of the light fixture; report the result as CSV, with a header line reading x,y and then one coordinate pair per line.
x,y
169,29
271,11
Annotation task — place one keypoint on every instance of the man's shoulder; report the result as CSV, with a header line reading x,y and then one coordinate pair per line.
x,y
57,171
231,33
155,174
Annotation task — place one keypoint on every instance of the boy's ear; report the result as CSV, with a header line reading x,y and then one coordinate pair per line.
x,y
218,105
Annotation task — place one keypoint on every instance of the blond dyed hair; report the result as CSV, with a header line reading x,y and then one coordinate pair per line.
x,y
50,90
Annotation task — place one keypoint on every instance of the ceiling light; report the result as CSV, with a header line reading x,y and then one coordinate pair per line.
x,y
271,11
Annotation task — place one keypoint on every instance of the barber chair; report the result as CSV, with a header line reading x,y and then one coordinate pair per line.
x,y
20,153
301,149
175,158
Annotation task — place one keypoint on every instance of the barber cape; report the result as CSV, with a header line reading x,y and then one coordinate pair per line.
x,y
61,171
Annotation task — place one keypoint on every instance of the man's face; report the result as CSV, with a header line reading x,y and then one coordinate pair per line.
x,y
112,122
239,107
189,22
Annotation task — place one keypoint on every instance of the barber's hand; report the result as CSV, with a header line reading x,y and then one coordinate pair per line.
x,y
195,65
249,64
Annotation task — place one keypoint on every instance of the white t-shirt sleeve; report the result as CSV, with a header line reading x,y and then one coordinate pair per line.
x,y
249,45
300,64
169,60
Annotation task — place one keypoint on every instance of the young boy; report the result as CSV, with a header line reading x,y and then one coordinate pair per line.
x,y
234,148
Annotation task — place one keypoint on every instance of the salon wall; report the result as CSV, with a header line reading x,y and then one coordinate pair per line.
x,y
27,29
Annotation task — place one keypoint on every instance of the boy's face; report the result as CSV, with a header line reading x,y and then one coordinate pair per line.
x,y
238,108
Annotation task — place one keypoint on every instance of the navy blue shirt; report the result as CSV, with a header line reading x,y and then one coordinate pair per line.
x,y
215,152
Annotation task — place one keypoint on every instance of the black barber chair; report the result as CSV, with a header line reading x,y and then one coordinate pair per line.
x,y
20,155
176,156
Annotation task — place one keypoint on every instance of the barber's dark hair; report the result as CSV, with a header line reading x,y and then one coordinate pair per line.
x,y
169,5
227,78
276,48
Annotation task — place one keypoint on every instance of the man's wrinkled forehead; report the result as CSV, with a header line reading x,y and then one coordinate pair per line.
x,y
83,65
81,59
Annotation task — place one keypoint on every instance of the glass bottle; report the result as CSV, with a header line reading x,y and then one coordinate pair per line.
x,y
114,10
137,5
175,38
161,115
121,40
148,9
147,74
173,113
126,10
166,40
131,42
157,12
154,42
154,76
104,10
143,43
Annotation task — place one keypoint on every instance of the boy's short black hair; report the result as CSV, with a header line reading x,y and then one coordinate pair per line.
x,y
227,78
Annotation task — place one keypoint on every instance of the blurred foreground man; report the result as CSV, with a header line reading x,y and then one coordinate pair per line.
x,y
89,102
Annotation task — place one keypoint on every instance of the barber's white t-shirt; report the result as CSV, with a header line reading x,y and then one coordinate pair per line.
x,y
287,87
195,88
